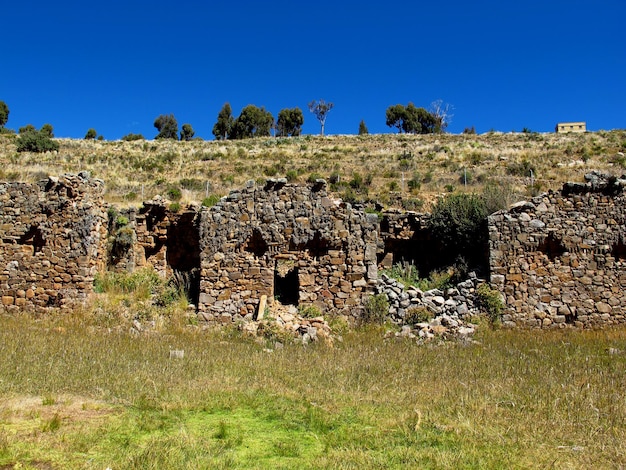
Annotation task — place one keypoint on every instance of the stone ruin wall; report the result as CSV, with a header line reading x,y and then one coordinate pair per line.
x,y
165,240
561,258
289,241
52,241
558,259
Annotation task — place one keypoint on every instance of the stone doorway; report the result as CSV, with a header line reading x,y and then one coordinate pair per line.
x,y
286,282
183,254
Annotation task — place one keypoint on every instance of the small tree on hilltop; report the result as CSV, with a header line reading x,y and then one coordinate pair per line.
x,y
91,134
224,124
252,122
412,120
4,113
130,137
47,130
289,122
27,128
321,109
396,115
187,133
442,112
363,128
167,127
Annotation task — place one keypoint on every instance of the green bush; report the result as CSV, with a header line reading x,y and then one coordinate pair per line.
x,y
416,315
498,196
174,194
192,184
130,137
312,177
38,142
522,168
459,223
121,221
211,200
414,183
376,309
309,311
490,301
412,204
356,182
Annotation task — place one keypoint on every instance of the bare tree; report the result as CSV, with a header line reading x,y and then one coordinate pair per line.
x,y
443,112
320,108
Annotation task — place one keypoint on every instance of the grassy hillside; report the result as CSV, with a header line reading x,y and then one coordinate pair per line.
x,y
381,168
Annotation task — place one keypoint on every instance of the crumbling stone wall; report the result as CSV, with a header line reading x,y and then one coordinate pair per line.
x,y
163,239
289,241
558,259
405,237
561,257
53,241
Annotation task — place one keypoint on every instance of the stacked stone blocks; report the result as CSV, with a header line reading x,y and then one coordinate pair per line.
x,y
258,237
53,241
559,259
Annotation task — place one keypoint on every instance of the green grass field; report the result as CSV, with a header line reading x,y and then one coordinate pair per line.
x,y
76,394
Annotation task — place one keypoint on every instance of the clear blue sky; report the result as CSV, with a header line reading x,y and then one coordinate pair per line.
x,y
116,65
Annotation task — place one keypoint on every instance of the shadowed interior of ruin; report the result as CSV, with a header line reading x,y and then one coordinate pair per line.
x,y
552,246
256,244
33,237
619,250
428,254
286,283
183,253
316,246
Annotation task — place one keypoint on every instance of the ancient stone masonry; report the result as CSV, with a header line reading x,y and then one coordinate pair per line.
x,y
560,258
153,235
52,241
286,241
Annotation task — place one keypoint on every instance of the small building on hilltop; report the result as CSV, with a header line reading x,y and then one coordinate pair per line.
x,y
565,127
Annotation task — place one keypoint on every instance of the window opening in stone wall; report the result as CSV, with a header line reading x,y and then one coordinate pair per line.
x,y
256,244
183,254
33,237
552,246
286,283
619,250
317,246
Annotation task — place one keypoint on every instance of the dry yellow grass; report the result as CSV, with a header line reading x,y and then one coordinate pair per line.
x,y
391,166
77,394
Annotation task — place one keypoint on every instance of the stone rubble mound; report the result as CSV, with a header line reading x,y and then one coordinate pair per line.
x,y
285,323
445,315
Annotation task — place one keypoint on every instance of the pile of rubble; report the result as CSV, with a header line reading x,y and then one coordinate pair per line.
x,y
426,315
284,323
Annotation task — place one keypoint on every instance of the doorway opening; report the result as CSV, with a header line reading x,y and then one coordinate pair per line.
x,y
286,283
